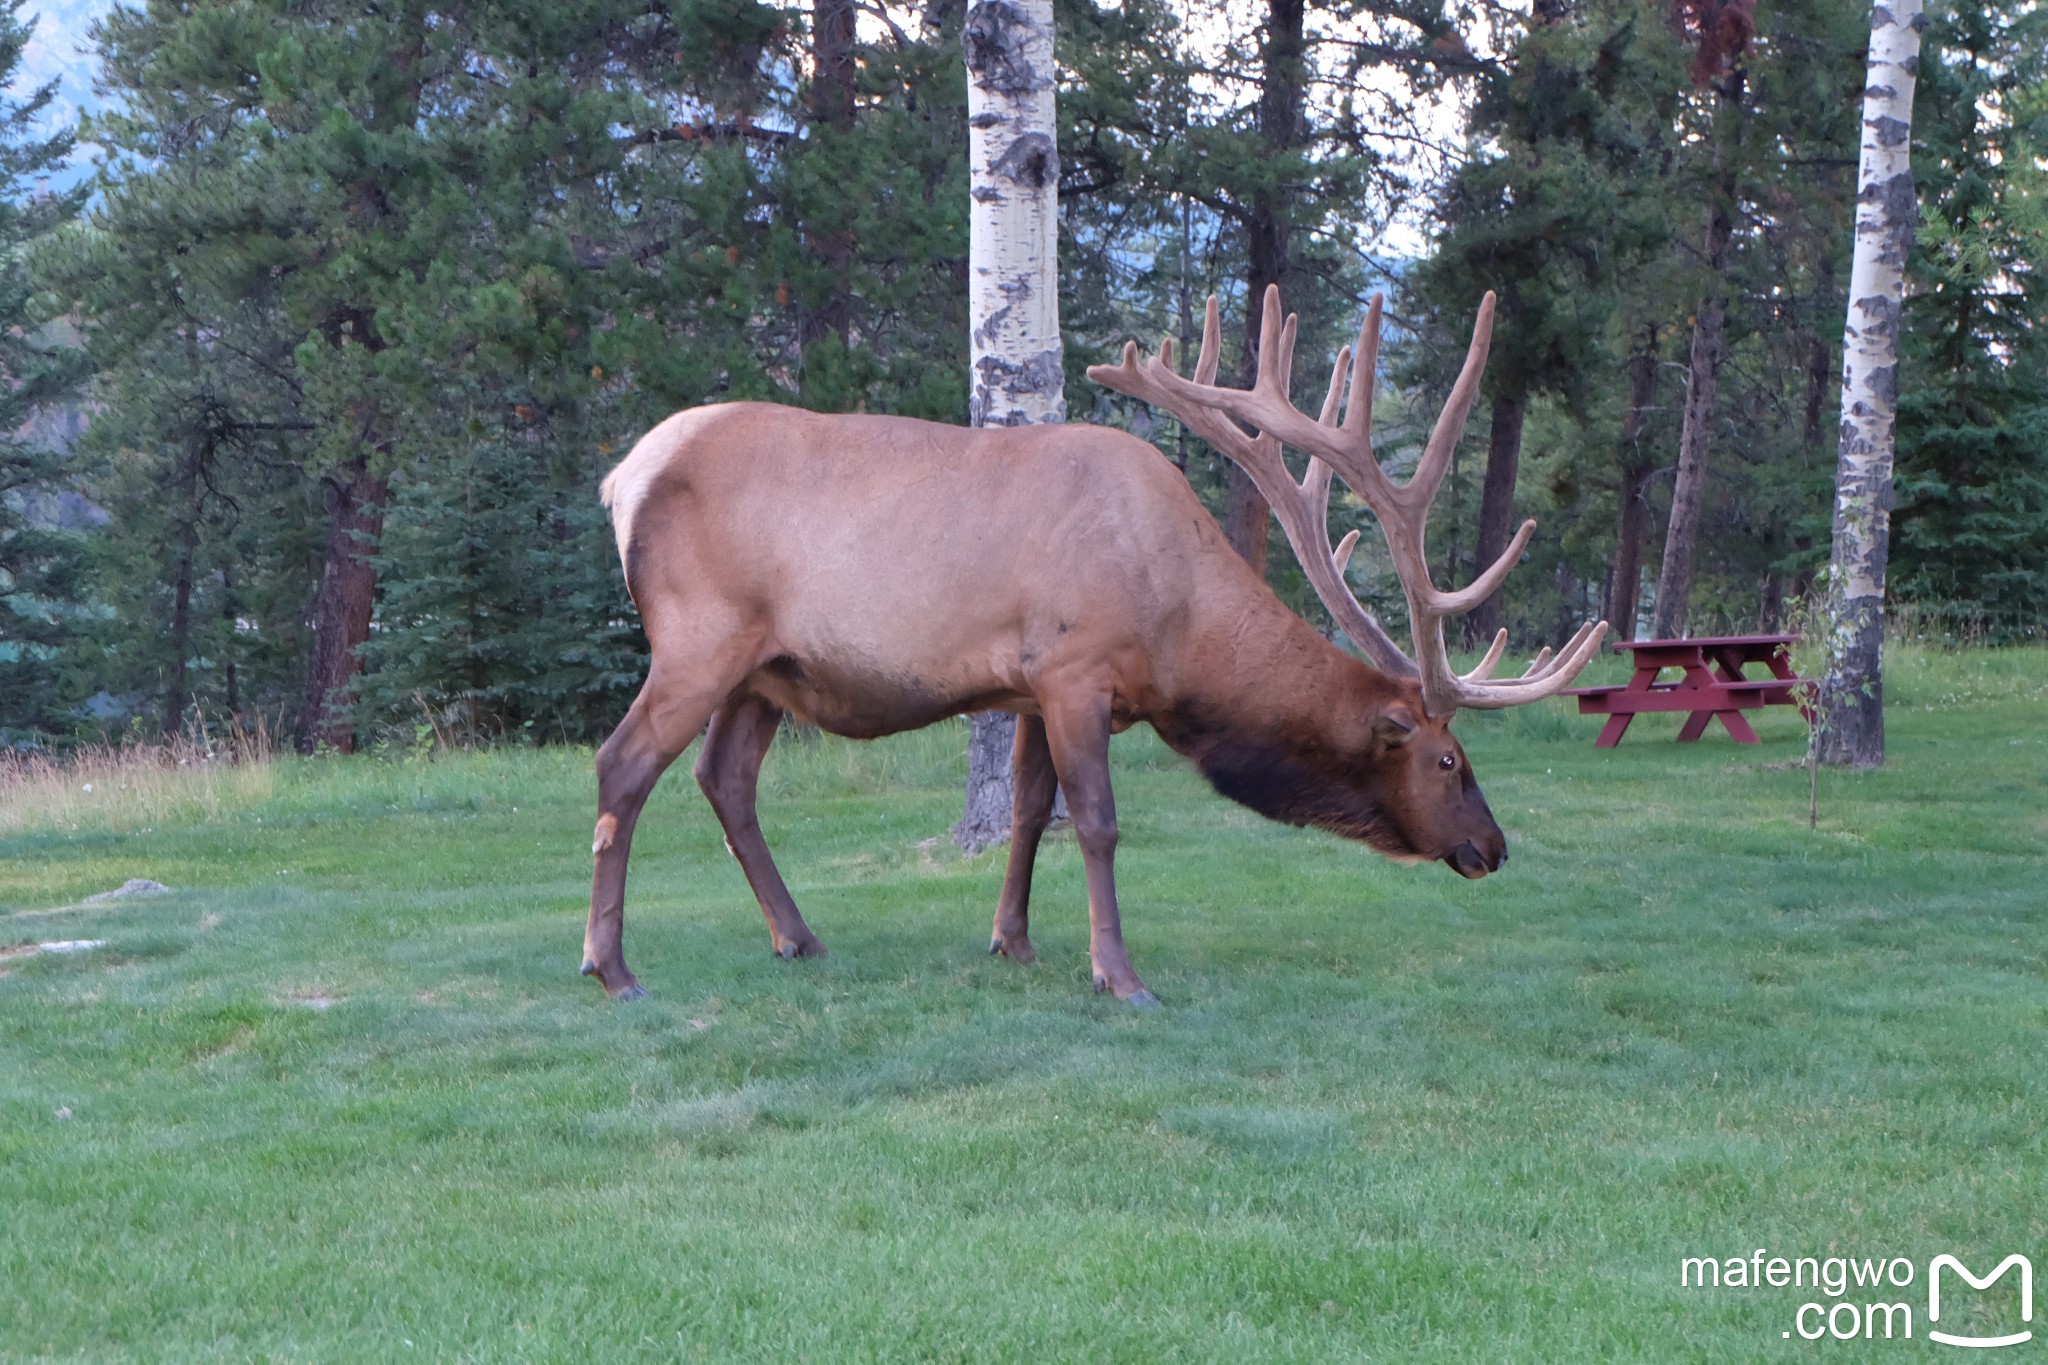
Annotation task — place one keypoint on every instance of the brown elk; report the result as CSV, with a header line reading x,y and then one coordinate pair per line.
x,y
873,574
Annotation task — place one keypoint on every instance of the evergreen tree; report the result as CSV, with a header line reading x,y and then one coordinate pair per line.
x,y
40,550
1557,211
1972,507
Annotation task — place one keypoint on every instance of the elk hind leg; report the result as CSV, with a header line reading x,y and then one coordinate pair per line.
x,y
1032,789
670,711
729,770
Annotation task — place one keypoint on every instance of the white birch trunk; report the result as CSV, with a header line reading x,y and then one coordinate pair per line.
x,y
1850,726
1013,316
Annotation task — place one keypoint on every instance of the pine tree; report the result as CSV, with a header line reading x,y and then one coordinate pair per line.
x,y
1559,218
40,555
1972,491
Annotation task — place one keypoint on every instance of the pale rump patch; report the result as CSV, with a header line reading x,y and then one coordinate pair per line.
x,y
607,826
625,488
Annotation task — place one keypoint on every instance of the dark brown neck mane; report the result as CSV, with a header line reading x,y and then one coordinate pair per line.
x,y
1283,729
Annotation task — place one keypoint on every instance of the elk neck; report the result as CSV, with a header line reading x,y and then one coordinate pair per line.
x,y
1278,718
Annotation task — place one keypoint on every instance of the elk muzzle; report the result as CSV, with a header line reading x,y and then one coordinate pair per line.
x,y
1468,861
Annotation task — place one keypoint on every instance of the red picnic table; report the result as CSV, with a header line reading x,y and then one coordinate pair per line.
x,y
1711,685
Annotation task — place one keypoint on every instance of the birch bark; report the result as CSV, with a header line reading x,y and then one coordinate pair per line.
x,y
1013,315
1851,721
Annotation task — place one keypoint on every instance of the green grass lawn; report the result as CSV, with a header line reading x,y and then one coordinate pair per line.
x,y
343,1096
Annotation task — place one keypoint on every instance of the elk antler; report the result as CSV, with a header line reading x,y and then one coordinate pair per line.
x,y
1213,412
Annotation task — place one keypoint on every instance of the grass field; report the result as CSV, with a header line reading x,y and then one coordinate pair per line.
x,y
341,1095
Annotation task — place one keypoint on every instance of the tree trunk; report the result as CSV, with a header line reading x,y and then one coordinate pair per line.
x,y
1851,713
1497,507
832,105
1247,520
1818,354
1625,588
1820,375
1013,317
347,596
1269,226
1688,492
342,607
179,693
229,644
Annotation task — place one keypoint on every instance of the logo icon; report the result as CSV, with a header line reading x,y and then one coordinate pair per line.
x,y
1934,1298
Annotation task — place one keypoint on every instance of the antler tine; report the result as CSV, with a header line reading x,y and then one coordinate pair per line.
x,y
1365,376
1275,362
1212,344
1539,669
1493,653
1483,586
1450,424
1287,336
1536,685
1305,517
1335,396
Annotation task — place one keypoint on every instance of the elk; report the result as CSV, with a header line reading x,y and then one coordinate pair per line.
x,y
871,575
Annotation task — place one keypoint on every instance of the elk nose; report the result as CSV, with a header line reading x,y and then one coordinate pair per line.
x,y
1467,861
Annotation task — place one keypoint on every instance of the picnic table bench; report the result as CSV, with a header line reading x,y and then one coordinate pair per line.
x,y
1710,686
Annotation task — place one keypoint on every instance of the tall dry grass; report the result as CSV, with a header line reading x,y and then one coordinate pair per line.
x,y
198,773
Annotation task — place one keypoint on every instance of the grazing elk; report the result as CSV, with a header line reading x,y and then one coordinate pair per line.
x,y
875,574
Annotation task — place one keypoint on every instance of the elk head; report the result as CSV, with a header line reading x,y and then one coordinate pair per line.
x,y
1408,772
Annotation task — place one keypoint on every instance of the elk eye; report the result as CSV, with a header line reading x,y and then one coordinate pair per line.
x,y
1449,763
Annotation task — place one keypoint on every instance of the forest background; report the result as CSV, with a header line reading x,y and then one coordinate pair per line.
x,y
315,372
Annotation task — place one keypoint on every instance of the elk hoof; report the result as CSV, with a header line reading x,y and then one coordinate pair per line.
x,y
793,949
1018,950
632,990
1141,998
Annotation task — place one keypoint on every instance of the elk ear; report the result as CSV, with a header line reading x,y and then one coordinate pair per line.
x,y
1395,727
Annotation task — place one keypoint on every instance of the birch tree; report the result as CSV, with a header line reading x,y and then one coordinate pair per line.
x,y
1851,694
1013,321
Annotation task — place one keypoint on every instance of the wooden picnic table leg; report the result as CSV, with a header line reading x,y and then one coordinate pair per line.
x,y
1728,668
1729,664
1700,677
1618,721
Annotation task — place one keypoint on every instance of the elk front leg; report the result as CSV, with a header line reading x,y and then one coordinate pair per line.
x,y
729,771
1078,735
1033,786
